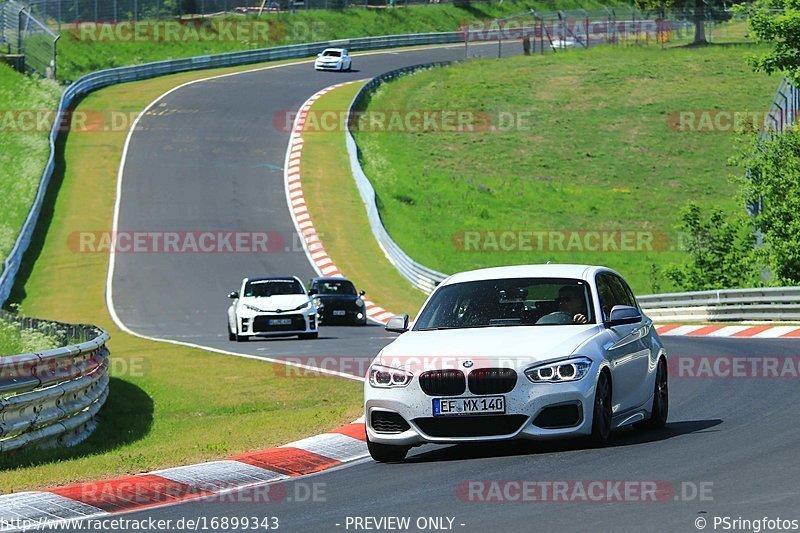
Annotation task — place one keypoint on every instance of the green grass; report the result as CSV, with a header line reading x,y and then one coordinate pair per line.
x,y
598,155
23,149
340,219
168,405
15,340
79,55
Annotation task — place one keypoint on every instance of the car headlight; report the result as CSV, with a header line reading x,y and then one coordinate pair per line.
x,y
317,302
359,302
305,305
387,377
569,370
251,308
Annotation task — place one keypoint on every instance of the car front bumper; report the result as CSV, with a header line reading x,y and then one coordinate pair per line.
x,y
527,405
260,325
328,66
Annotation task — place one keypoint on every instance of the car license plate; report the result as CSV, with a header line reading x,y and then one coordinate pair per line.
x,y
469,406
339,312
280,322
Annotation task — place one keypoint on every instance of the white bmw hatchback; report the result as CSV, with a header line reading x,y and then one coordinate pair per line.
x,y
271,307
536,352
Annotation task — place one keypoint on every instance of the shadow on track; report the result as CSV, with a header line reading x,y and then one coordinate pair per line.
x,y
625,437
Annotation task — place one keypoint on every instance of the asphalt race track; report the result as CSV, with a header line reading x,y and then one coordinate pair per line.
x,y
211,158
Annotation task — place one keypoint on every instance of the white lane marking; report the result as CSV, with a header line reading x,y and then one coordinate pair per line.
x,y
332,445
220,475
44,505
774,332
681,330
727,331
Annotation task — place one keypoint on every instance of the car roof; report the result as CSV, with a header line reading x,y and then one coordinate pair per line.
x,y
335,278
275,278
584,272
335,50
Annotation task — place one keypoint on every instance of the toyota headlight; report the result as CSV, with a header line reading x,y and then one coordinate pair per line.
x,y
251,308
386,377
305,305
562,371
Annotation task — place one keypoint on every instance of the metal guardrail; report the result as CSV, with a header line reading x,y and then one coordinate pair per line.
x,y
418,275
784,109
52,397
770,303
104,78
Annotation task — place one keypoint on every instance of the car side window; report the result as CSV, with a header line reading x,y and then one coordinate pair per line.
x,y
623,295
606,294
630,297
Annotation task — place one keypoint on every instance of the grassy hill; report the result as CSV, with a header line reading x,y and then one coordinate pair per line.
x,y
594,150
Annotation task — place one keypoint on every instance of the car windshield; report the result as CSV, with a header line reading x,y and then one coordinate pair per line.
x,y
332,53
336,287
508,302
265,288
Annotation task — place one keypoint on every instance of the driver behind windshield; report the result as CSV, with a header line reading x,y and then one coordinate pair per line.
x,y
572,302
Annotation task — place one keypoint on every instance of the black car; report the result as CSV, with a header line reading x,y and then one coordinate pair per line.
x,y
338,302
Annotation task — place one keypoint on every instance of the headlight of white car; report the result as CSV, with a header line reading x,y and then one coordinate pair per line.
x,y
568,370
306,305
386,377
251,308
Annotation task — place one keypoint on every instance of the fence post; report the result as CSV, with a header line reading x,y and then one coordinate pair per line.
x,y
20,29
55,57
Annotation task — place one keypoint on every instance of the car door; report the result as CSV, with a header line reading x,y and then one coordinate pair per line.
x,y
624,345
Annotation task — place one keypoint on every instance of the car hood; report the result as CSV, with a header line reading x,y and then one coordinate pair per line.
x,y
508,347
284,302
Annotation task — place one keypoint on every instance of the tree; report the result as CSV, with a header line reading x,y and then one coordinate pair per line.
x,y
773,183
701,10
777,22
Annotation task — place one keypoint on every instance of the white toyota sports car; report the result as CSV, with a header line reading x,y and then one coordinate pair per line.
x,y
537,352
271,307
333,59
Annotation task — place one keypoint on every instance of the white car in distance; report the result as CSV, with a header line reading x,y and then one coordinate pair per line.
x,y
271,307
333,59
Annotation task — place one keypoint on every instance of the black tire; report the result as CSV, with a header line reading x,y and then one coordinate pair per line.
x,y
387,453
658,417
307,336
231,334
601,419
242,338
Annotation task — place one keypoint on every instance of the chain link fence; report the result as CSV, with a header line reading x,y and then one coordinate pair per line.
x,y
58,12
21,33
560,30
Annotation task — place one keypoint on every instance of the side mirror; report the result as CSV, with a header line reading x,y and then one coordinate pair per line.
x,y
234,295
397,324
312,292
623,314
361,293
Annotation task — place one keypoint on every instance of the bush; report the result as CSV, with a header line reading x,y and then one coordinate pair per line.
x,y
720,251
